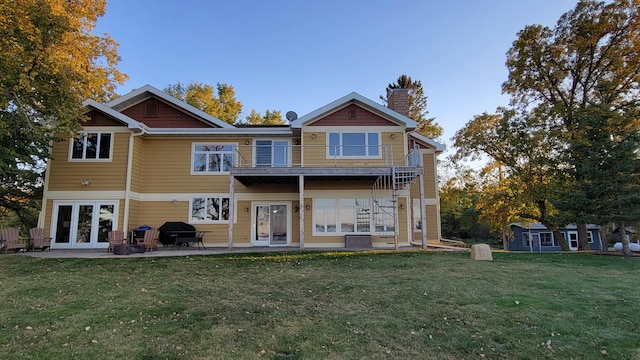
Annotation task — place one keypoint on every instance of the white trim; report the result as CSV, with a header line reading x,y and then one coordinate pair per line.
x,y
73,244
207,197
381,129
72,141
131,123
170,99
254,151
288,205
438,147
341,145
199,143
358,100
84,195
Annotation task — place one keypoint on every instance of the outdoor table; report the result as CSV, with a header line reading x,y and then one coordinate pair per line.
x,y
184,237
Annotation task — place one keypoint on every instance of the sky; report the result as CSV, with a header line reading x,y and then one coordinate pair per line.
x,y
297,55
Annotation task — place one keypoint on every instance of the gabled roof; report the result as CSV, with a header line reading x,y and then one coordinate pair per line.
x,y
538,226
439,147
147,91
131,123
357,99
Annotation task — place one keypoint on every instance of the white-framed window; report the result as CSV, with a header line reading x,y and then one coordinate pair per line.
x,y
324,216
546,239
91,146
355,215
212,158
384,220
272,153
590,237
353,144
209,209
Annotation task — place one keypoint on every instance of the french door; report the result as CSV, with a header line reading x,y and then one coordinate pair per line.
x,y
82,225
271,225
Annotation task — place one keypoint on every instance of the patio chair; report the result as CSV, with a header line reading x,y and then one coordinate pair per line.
x,y
116,237
38,240
11,240
151,239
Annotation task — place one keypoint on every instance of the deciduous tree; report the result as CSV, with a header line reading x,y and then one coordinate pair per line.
x,y
50,63
219,102
271,117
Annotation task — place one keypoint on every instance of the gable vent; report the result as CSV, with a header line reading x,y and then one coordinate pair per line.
x,y
352,114
151,109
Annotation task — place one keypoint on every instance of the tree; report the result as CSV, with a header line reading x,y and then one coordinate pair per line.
x,y
521,146
271,117
222,105
591,59
417,106
50,63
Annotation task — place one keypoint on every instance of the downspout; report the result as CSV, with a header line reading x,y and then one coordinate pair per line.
x,y
127,191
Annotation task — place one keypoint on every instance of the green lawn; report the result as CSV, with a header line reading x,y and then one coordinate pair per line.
x,y
408,305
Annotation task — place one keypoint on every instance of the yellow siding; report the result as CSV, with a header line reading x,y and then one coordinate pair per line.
x,y
137,167
48,216
430,182
432,223
134,215
315,150
65,175
395,145
242,228
338,185
167,169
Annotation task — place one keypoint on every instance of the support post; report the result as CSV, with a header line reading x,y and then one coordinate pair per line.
x,y
301,209
232,200
423,216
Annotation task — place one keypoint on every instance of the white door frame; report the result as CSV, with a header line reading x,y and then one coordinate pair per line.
x,y
254,206
73,231
574,235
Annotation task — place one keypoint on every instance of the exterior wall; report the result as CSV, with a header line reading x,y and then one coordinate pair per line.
x,y
65,175
343,117
516,243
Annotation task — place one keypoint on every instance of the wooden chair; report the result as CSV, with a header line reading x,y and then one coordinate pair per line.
x,y
151,239
11,239
116,237
38,240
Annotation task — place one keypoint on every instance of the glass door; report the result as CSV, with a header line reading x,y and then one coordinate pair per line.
x,y
271,225
83,225
270,153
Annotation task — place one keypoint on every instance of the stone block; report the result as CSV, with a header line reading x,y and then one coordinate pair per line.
x,y
481,252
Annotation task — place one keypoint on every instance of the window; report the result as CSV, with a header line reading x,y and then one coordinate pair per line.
x,y
272,153
324,215
525,240
354,215
417,220
91,146
212,158
546,239
209,209
354,145
589,237
384,220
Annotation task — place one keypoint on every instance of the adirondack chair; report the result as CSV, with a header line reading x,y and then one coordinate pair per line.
x,y
38,240
116,237
10,239
151,239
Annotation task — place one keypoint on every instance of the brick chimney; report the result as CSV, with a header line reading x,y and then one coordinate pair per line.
x,y
398,101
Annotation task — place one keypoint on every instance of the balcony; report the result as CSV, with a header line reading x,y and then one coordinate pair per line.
x,y
280,162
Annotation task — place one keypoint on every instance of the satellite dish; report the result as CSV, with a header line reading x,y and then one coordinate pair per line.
x,y
291,115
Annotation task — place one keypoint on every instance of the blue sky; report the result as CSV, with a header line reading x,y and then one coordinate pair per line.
x,y
301,55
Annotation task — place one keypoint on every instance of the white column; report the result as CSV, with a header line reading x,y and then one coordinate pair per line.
x,y
232,200
301,208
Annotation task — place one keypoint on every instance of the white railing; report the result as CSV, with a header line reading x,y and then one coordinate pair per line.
x,y
314,156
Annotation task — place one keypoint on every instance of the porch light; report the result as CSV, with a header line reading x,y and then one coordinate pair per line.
x,y
247,142
307,207
296,209
174,201
313,136
393,136
85,182
246,209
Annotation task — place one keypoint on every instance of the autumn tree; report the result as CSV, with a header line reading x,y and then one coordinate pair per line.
x,y
590,59
271,117
50,63
219,102
427,126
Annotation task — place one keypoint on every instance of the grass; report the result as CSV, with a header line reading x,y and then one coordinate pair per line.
x,y
321,306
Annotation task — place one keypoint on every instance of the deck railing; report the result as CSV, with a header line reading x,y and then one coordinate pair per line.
x,y
315,156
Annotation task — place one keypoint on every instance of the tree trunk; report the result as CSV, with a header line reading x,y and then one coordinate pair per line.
x,y
603,241
624,239
558,235
583,241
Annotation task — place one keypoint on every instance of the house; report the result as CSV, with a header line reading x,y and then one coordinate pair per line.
x,y
352,172
536,237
